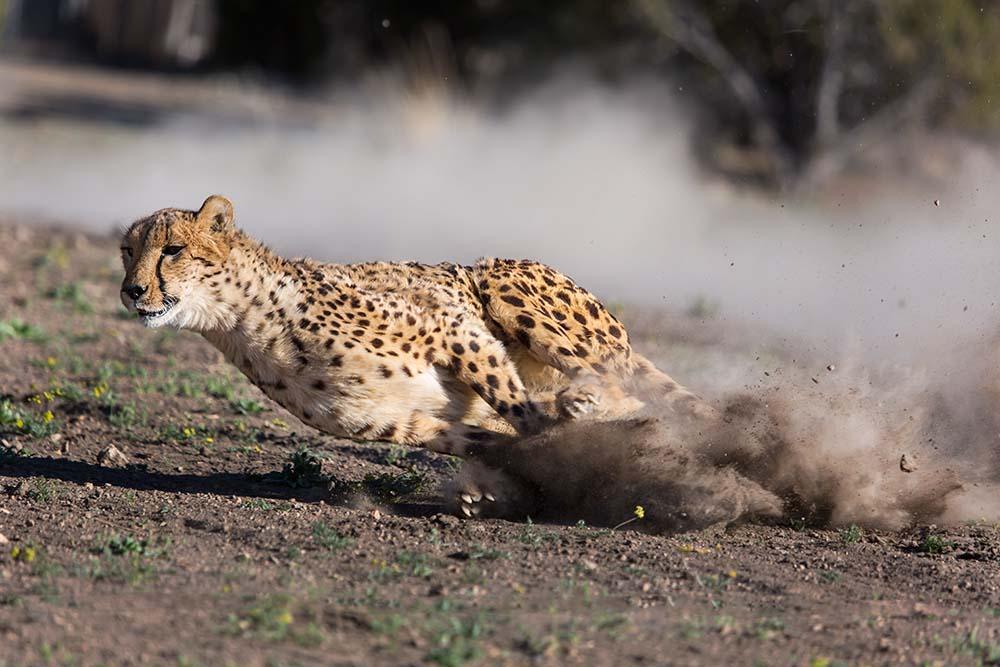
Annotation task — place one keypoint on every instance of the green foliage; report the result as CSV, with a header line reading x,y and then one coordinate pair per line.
x,y
328,538
122,559
120,545
303,469
852,534
19,329
273,618
17,421
220,387
935,544
391,487
455,645
246,406
42,491
960,40
71,294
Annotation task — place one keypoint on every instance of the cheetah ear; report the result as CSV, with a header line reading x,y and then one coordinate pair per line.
x,y
216,214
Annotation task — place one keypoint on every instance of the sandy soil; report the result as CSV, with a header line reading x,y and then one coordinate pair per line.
x,y
228,533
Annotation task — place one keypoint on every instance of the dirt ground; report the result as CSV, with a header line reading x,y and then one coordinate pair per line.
x,y
227,533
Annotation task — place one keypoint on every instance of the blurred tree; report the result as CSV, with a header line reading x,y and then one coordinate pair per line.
x,y
788,91
958,40
809,83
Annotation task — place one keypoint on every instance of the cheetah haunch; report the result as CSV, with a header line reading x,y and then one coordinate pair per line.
x,y
442,356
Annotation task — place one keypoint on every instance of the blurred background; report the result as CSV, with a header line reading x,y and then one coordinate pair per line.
x,y
822,169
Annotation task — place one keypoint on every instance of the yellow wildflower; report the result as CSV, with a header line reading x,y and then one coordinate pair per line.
x,y
639,512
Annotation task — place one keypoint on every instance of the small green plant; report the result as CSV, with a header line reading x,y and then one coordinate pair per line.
x,y
258,504
326,537
768,628
396,455
123,415
220,387
120,545
272,618
246,406
829,576
17,421
478,552
121,558
935,544
387,625
984,651
415,564
852,534
73,295
455,645
390,487
303,469
534,537
42,491
19,329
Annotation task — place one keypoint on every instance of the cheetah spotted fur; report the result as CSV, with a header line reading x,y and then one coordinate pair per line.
x,y
441,356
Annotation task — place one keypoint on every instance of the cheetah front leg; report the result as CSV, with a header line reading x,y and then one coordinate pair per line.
x,y
476,358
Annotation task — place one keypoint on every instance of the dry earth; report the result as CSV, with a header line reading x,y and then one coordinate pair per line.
x,y
229,534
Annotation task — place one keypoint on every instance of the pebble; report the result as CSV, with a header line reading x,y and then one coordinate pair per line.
x,y
446,520
111,456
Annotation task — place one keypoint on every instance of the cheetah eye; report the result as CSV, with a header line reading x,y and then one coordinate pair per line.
x,y
171,250
128,252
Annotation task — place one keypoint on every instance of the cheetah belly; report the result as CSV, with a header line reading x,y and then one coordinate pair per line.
x,y
375,410
370,410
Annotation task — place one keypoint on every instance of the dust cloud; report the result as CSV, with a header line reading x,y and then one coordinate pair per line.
x,y
599,181
848,452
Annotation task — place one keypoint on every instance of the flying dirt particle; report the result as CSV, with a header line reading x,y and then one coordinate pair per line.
x,y
112,457
906,464
815,381
937,202
831,368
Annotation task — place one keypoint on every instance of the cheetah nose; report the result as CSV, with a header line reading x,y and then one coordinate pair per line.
x,y
134,291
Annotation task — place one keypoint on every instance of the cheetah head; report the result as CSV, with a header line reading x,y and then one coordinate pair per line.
x,y
167,256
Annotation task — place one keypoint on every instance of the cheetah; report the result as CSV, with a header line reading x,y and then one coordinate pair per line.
x,y
440,356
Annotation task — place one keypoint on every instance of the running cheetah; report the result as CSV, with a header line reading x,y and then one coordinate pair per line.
x,y
442,356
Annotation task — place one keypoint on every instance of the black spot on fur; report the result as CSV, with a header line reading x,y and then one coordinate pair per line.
x,y
513,300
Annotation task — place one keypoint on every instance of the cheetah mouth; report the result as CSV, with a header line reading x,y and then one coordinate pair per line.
x,y
155,316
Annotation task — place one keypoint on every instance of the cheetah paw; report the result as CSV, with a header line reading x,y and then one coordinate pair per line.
x,y
470,503
579,401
